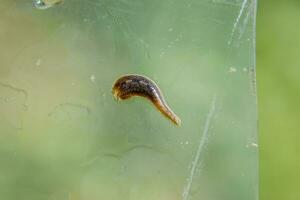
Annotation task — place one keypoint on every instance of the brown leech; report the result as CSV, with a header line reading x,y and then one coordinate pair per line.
x,y
136,85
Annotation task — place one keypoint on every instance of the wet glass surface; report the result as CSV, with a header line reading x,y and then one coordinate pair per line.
x,y
64,136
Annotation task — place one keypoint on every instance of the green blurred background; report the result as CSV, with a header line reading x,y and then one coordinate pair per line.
x,y
64,137
278,69
278,44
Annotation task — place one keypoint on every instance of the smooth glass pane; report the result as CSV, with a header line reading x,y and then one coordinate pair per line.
x,y
64,136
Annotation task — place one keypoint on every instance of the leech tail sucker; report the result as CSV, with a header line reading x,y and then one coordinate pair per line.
x,y
128,86
167,112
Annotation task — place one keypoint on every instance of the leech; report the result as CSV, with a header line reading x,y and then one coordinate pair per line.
x,y
136,85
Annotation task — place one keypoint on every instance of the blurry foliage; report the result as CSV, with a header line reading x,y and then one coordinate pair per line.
x,y
278,47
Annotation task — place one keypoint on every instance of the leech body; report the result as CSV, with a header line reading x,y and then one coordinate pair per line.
x,y
136,85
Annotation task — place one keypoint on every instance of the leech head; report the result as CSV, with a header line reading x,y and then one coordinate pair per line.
x,y
136,85
121,89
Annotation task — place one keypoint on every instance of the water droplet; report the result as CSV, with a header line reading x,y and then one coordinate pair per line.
x,y
45,4
253,145
232,69
38,62
93,78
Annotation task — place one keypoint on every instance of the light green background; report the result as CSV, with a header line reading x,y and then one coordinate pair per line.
x,y
278,76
